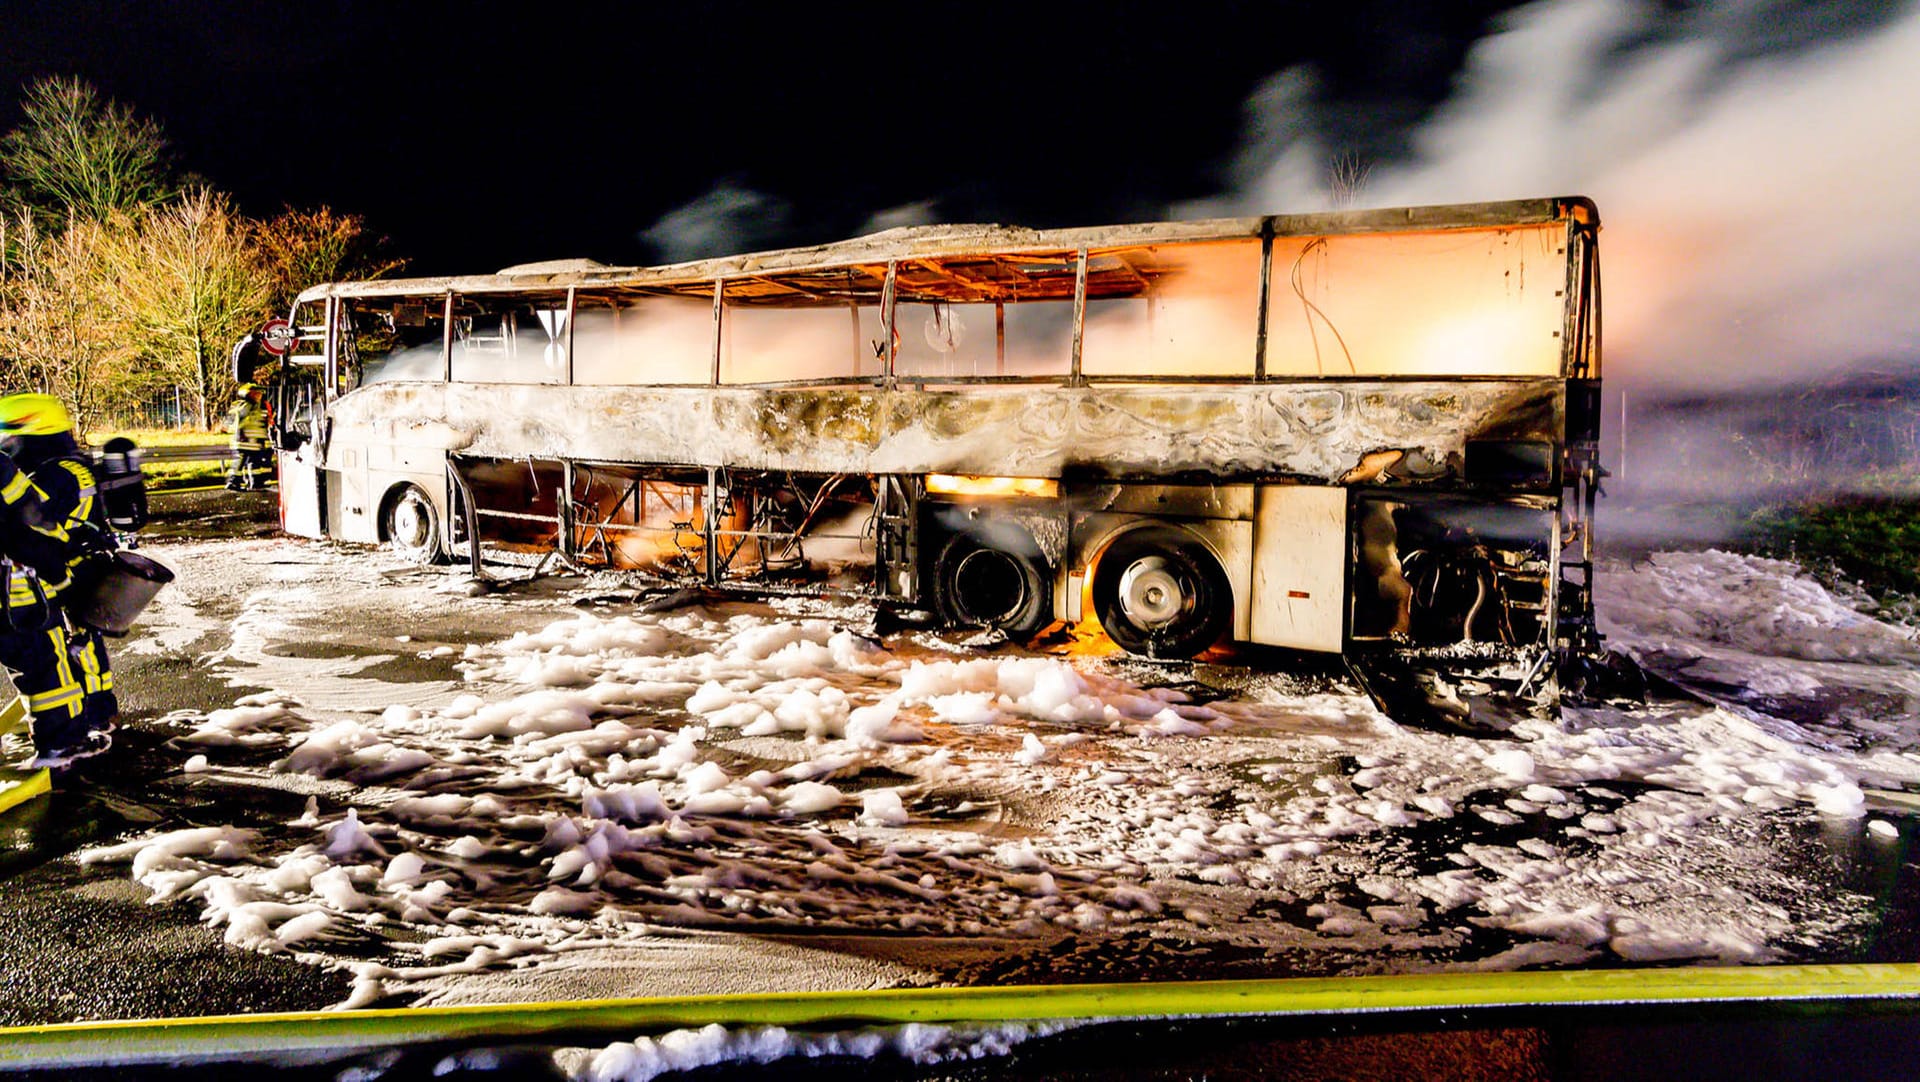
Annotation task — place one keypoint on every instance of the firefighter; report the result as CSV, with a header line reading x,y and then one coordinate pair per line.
x,y
51,522
252,461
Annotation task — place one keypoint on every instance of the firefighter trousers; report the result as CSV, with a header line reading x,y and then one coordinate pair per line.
x,y
250,467
64,675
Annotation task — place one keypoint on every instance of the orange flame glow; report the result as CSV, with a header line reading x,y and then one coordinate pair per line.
x,y
954,484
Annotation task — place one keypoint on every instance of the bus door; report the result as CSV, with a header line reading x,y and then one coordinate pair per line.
x,y
298,403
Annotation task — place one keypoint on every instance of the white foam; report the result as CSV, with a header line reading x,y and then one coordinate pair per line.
x,y
647,1058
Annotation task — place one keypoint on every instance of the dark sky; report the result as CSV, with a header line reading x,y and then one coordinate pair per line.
x,y
476,136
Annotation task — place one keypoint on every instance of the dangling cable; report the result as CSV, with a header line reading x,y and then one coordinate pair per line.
x,y
1313,309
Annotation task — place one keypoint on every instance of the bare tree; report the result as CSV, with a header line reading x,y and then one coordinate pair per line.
x,y
300,248
1346,177
83,156
60,330
191,283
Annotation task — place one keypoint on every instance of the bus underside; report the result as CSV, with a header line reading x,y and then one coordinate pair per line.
x,y
1436,570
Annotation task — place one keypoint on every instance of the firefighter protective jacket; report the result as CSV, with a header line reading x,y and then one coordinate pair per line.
x,y
248,421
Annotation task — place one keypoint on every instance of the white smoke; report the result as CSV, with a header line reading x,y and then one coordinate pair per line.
x,y
919,212
1761,208
728,219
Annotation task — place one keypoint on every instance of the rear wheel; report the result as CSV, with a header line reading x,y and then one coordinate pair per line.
x,y
411,526
1160,593
981,584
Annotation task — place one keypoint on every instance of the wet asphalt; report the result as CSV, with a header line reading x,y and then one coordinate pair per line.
x,y
76,945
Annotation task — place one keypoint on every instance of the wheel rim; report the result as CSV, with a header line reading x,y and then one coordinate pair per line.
x,y
988,586
411,528
1152,595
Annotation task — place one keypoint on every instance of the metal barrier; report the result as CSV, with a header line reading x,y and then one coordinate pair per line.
x,y
212,452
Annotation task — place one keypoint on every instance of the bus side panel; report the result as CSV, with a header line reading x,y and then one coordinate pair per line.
x,y
1299,566
350,506
300,496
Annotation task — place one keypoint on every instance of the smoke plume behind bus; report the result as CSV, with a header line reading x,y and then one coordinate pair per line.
x,y
1754,164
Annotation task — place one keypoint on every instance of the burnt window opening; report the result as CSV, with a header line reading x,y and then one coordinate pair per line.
x,y
517,337
391,338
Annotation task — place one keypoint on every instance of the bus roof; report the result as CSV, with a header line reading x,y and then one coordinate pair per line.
x,y
928,241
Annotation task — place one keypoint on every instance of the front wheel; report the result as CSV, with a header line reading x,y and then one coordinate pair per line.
x,y
411,526
1159,593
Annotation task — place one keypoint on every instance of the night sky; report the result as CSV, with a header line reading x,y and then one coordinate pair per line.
x,y
476,136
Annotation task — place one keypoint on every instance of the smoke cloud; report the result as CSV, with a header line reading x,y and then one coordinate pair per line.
x,y
726,220
1758,180
920,212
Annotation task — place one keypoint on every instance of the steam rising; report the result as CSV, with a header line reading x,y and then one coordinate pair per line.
x,y
729,218
1762,206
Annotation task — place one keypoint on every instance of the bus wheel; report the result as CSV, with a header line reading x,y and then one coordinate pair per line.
x,y
410,526
982,584
1159,593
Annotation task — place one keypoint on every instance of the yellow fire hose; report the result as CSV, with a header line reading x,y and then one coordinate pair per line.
x,y
346,1032
18,786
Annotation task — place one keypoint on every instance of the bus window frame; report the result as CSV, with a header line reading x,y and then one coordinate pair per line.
x,y
1580,345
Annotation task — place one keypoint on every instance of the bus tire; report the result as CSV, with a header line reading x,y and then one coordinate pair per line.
x,y
1160,593
999,582
410,526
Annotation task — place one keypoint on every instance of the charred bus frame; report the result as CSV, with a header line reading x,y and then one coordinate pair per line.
x,y
1367,433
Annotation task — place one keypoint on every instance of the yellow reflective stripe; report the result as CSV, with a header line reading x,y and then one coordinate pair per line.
x,y
20,590
15,488
63,662
84,508
165,1039
92,678
68,696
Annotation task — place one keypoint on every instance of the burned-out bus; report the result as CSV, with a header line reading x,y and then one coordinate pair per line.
x,y
1361,433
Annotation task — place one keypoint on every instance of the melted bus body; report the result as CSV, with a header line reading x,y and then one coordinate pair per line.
x,y
1366,433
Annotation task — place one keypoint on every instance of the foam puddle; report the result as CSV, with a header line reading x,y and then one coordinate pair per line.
x,y
643,786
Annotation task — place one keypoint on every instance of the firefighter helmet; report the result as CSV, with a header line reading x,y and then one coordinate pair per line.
x,y
33,415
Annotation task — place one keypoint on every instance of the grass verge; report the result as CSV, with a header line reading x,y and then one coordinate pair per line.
x,y
1869,543
162,476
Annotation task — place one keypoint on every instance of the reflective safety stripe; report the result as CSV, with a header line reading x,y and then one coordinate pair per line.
x,y
67,697
1785,990
15,488
83,510
20,580
20,588
92,678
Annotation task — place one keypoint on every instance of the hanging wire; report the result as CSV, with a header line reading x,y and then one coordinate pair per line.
x,y
1311,309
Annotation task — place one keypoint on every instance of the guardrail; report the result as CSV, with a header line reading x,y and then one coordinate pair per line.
x,y
212,452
